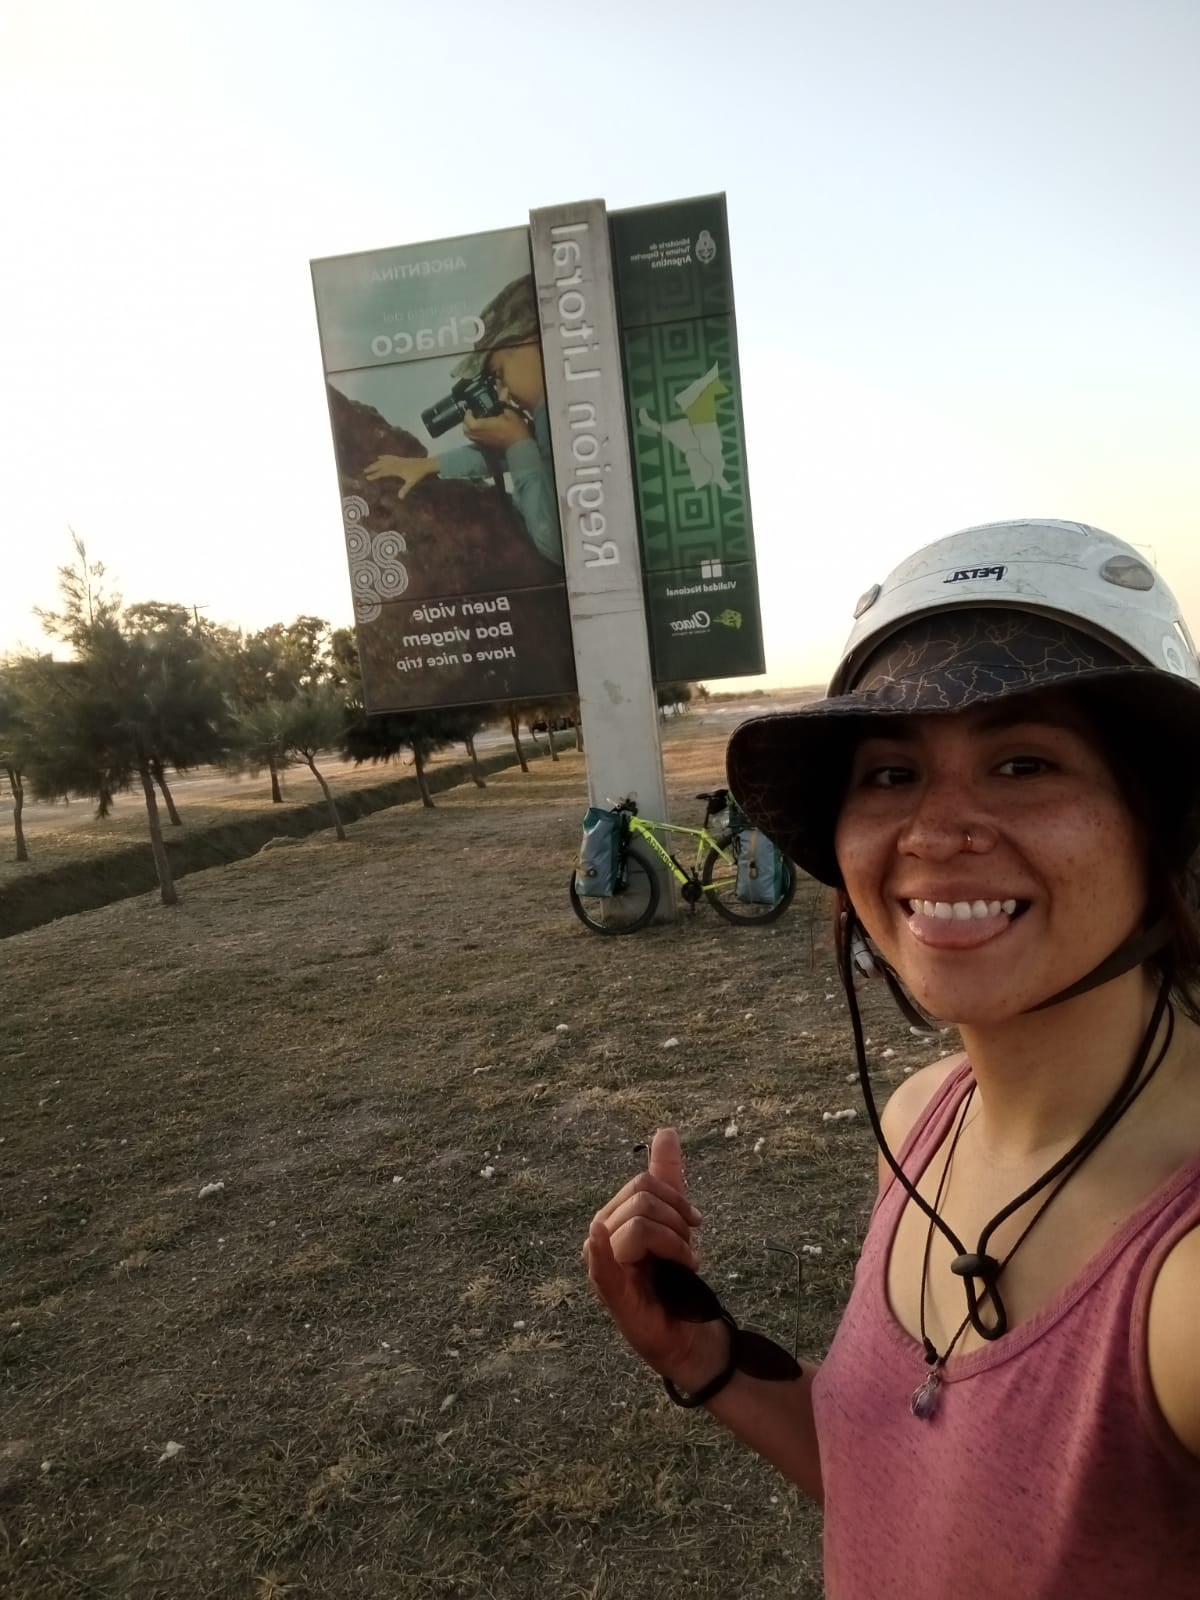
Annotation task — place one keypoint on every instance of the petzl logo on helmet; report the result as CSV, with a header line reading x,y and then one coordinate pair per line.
x,y
964,573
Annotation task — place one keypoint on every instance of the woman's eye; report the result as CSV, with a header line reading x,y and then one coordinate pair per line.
x,y
1023,766
887,777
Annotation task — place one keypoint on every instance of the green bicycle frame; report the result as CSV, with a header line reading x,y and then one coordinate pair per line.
x,y
704,842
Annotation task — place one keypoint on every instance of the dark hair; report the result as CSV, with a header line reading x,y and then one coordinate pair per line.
x,y
1158,783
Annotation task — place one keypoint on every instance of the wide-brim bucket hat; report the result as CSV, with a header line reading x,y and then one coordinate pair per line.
x,y
989,614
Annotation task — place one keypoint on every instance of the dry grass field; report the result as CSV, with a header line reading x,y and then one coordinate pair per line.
x,y
368,1365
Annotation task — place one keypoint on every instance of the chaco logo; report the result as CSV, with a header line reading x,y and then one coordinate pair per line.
x,y
701,621
965,573
698,622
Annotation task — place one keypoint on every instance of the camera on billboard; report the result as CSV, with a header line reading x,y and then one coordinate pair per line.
x,y
478,397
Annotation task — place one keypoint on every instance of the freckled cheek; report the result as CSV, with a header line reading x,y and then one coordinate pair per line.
x,y
863,857
1094,859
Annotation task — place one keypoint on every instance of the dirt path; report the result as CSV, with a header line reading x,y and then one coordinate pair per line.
x,y
415,1076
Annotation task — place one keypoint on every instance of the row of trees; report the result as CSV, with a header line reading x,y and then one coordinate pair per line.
x,y
153,689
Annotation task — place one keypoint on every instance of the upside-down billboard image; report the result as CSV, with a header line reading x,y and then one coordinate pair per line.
x,y
674,292
433,372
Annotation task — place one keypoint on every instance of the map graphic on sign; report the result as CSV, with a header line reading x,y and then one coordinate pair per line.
x,y
698,436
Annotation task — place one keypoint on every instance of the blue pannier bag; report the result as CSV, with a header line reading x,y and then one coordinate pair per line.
x,y
759,867
598,870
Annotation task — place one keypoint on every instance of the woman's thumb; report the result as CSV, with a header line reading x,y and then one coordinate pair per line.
x,y
666,1159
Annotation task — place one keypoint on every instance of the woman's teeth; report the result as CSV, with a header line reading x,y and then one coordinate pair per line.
x,y
961,910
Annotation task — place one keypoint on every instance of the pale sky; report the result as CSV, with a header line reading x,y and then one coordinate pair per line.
x,y
965,238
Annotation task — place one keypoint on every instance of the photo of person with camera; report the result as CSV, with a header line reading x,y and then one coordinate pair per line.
x,y
499,395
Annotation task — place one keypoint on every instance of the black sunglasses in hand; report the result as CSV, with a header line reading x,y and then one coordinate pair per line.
x,y
684,1294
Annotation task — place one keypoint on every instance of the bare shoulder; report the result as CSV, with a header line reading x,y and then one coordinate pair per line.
x,y
1171,1342
909,1100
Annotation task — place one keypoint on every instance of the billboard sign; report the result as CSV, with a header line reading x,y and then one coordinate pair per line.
x,y
437,403
674,291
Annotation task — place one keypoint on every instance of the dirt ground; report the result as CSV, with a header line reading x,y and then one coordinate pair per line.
x,y
368,1365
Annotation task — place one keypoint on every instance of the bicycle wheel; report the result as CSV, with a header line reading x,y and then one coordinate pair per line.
x,y
631,907
721,872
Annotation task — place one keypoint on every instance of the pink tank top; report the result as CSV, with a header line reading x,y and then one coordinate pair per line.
x,y
1048,1471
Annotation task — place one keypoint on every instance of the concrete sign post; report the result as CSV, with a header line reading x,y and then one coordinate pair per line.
x,y
572,269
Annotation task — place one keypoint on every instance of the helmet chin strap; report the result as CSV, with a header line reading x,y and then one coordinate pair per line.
x,y
978,1266
1135,950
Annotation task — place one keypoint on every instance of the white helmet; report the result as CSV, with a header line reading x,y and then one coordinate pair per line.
x,y
1079,575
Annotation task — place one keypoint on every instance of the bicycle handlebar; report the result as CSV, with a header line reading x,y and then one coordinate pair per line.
x,y
716,801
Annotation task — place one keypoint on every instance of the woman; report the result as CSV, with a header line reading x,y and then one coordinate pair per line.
x,y
1004,788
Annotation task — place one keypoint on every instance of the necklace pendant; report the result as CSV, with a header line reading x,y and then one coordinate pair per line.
x,y
924,1402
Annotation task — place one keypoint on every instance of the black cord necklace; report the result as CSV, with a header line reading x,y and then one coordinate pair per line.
x,y
977,1265
925,1396
924,1401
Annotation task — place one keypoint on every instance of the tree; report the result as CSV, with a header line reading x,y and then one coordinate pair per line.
x,y
130,698
188,712
91,733
343,658
557,712
257,742
302,656
460,724
383,735
388,734
13,753
273,666
315,720
514,727
85,606
252,674
674,698
283,732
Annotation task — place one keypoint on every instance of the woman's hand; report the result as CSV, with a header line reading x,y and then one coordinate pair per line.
x,y
412,469
652,1216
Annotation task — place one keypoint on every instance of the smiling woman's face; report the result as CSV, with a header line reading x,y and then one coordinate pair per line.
x,y
990,854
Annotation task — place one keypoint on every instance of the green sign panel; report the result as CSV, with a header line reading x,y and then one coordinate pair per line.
x,y
686,440
671,262
683,391
704,622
